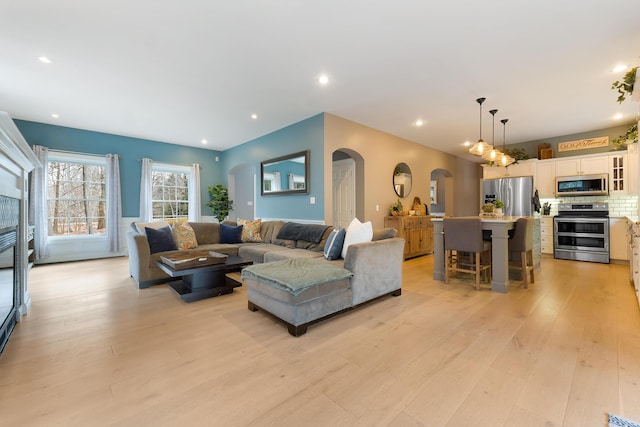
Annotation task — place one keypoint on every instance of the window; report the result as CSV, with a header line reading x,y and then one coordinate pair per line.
x,y
170,192
76,195
271,181
298,182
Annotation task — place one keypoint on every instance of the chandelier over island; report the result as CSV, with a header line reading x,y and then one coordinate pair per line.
x,y
506,159
489,152
480,147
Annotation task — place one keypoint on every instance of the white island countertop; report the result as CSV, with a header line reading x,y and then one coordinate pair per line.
x,y
486,218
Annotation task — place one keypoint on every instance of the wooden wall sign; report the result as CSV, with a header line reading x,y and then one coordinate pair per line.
x,y
583,144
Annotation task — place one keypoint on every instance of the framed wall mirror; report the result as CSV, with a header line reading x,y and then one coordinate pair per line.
x,y
402,180
285,175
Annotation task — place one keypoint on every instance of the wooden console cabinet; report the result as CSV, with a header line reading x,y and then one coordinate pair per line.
x,y
417,231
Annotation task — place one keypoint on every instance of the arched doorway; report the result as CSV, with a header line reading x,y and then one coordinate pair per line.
x,y
441,192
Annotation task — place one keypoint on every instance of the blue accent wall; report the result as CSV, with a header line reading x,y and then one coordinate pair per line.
x,y
307,134
130,150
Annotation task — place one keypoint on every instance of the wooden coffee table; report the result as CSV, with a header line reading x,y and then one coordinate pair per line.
x,y
205,281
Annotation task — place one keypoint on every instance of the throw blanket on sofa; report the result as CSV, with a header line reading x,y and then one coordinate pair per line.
x,y
309,232
296,274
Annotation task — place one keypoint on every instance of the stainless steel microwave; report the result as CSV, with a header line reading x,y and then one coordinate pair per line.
x,y
582,185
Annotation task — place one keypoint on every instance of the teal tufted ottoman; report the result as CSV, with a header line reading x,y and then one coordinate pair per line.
x,y
298,291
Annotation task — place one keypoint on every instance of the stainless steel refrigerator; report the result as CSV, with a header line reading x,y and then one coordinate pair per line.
x,y
516,193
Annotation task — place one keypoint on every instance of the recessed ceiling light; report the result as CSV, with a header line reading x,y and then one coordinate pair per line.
x,y
419,122
254,116
467,143
54,115
620,68
618,116
323,79
45,60
204,141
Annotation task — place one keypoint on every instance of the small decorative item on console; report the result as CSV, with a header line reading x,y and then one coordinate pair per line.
x,y
418,207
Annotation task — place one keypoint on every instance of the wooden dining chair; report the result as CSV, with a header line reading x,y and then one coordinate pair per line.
x,y
463,236
522,243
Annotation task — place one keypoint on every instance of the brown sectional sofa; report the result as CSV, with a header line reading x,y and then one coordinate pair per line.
x,y
143,265
375,270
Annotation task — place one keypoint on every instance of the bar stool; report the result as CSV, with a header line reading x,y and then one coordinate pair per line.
x,y
465,235
522,242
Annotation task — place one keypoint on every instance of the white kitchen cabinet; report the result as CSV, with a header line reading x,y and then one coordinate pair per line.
x,y
492,172
546,235
632,169
582,166
634,255
618,170
618,240
522,168
546,178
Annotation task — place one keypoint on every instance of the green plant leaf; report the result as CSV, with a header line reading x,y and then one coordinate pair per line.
x,y
220,204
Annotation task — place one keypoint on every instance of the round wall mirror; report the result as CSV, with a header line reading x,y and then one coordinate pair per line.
x,y
402,180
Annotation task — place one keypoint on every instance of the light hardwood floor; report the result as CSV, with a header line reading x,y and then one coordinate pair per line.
x,y
95,351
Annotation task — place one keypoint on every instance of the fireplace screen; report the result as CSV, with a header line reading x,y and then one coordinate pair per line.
x,y
9,218
8,288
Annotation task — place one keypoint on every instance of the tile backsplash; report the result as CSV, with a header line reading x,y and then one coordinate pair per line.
x,y
619,205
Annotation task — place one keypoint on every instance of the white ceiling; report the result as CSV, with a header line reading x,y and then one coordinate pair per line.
x,y
179,72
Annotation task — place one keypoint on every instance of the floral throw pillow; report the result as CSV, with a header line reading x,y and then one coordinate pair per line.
x,y
184,236
250,230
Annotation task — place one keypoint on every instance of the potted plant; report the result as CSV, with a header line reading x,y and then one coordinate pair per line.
x,y
629,137
517,154
625,87
220,204
488,208
499,205
397,208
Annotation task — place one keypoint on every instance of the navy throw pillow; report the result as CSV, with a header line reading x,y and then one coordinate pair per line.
x,y
160,239
333,247
230,233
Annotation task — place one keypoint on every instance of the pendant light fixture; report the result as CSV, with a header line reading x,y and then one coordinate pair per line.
x,y
506,160
493,154
480,147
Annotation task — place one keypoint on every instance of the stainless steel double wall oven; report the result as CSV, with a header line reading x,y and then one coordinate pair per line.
x,y
581,232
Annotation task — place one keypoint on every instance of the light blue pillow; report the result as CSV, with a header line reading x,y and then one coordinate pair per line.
x,y
333,247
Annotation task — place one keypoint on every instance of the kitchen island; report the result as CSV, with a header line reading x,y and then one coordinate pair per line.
x,y
499,227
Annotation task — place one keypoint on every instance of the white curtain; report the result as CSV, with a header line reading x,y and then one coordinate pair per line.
x,y
146,213
38,205
114,204
292,182
194,193
276,181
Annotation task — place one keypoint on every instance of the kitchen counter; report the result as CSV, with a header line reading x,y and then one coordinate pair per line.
x,y
499,227
633,235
